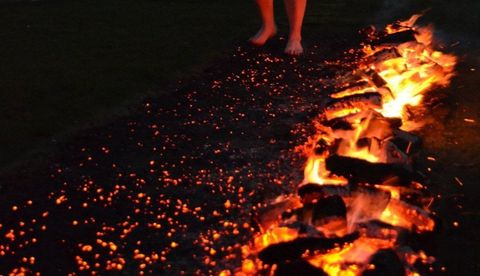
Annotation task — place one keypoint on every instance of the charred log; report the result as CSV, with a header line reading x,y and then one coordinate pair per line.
x,y
317,191
325,208
269,215
361,171
383,55
360,87
396,38
375,78
353,104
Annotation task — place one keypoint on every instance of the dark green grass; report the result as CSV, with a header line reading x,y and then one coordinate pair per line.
x,y
65,65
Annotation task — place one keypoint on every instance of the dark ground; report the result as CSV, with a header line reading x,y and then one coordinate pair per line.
x,y
182,173
69,65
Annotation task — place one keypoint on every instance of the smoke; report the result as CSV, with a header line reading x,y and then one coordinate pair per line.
x,y
392,9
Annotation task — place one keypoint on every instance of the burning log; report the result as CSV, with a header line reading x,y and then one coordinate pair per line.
x,y
348,80
361,171
378,127
346,122
323,210
269,215
353,104
382,55
315,191
405,215
367,205
396,38
379,230
374,77
359,87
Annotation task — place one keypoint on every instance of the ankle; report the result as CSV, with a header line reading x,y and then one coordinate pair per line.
x,y
270,26
295,37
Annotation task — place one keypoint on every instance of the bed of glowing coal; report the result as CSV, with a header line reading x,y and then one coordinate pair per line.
x,y
186,182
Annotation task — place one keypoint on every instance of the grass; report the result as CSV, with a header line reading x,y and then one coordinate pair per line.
x,y
67,65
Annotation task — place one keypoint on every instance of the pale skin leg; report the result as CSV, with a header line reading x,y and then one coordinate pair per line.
x,y
269,28
295,13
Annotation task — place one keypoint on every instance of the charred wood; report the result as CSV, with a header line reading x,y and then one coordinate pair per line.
x,y
395,38
353,104
383,55
324,208
316,190
361,171
375,78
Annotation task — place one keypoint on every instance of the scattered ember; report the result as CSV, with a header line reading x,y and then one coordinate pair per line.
x,y
173,188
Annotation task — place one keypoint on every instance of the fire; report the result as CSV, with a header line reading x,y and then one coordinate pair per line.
x,y
316,173
273,236
349,261
399,66
417,69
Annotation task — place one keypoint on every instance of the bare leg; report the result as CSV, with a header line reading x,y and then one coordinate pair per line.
x,y
295,13
269,28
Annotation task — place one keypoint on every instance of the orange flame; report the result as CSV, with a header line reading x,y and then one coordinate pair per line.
x,y
316,173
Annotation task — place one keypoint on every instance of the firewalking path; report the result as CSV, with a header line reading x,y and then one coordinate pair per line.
x,y
171,188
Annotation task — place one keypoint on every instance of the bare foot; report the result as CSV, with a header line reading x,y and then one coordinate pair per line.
x,y
264,34
294,47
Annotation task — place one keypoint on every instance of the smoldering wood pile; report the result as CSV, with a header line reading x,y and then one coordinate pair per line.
x,y
375,223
